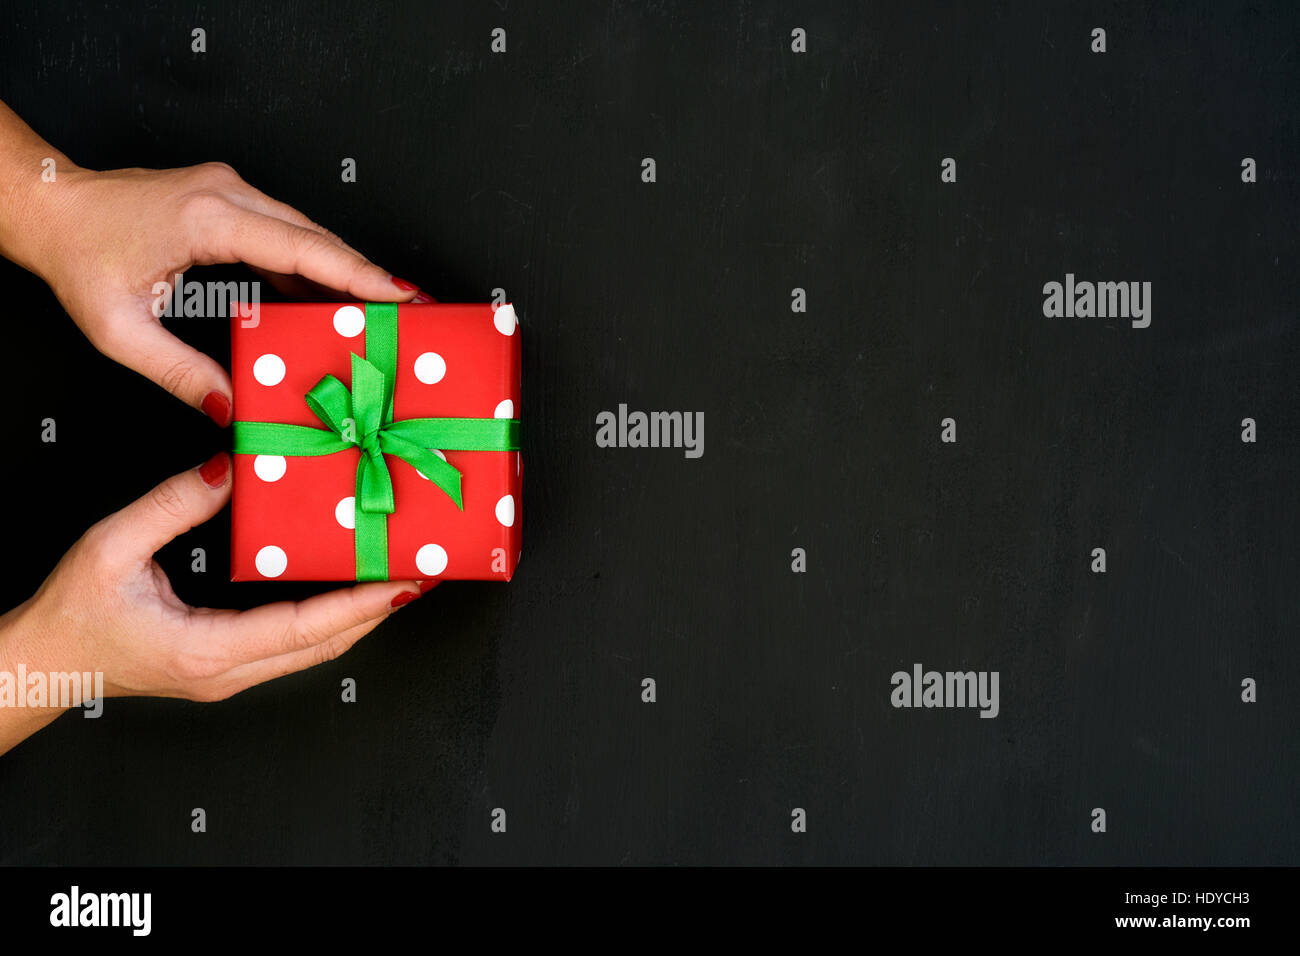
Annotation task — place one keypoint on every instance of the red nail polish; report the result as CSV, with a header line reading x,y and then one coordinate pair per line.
x,y
213,471
427,586
406,597
424,299
217,407
404,285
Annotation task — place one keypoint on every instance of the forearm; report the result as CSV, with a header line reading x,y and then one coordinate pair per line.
x,y
22,655
30,190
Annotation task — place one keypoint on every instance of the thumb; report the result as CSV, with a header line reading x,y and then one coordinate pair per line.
x,y
178,504
196,379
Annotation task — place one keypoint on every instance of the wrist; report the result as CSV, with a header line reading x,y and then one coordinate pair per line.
x,y
35,180
29,697
33,229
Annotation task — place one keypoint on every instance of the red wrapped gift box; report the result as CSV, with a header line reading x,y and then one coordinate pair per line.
x,y
294,515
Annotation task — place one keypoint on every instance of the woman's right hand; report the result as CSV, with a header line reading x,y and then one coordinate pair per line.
x,y
108,607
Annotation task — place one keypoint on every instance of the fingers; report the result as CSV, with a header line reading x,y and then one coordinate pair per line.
x,y
290,626
342,267
334,646
330,645
142,344
242,235
172,508
223,179
258,201
296,288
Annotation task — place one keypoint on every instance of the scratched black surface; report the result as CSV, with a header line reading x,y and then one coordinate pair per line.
x,y
775,170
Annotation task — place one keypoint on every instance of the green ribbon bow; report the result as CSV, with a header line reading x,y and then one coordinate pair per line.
x,y
363,418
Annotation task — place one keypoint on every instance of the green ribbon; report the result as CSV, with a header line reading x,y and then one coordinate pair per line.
x,y
363,418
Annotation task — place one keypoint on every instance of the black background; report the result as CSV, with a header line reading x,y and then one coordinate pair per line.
x,y
776,170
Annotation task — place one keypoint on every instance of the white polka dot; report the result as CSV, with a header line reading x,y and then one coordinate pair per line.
x,y
345,512
430,368
505,409
349,321
270,467
269,369
271,561
506,510
431,560
505,319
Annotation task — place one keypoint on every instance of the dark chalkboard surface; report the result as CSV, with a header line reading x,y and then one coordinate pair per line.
x,y
922,300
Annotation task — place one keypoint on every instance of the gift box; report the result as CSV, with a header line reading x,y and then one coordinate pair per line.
x,y
376,442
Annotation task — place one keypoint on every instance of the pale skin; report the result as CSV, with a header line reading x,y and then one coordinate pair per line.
x,y
102,240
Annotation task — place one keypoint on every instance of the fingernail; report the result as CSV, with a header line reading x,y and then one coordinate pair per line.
x,y
427,586
424,299
404,285
217,407
213,471
406,597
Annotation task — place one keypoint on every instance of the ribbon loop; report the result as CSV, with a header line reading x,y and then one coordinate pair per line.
x,y
331,401
367,396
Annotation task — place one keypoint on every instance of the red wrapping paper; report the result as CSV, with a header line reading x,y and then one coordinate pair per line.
x,y
291,515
